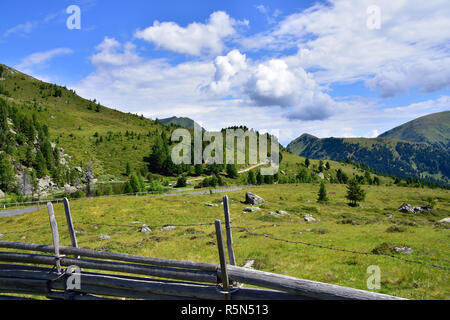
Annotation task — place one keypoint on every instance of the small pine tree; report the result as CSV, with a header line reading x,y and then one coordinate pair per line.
x,y
307,162
7,176
259,178
198,169
354,192
232,171
182,182
128,169
40,164
251,179
322,196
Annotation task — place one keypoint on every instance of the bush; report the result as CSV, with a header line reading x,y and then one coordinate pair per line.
x,y
395,229
181,183
156,187
78,194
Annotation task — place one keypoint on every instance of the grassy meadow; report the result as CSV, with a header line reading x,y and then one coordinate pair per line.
x,y
361,229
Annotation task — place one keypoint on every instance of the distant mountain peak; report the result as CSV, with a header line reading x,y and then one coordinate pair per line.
x,y
184,122
432,129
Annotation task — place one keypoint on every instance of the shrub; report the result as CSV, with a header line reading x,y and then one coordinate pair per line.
x,y
78,194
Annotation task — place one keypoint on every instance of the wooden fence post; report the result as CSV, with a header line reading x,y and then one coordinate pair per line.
x,y
223,259
55,236
73,237
226,210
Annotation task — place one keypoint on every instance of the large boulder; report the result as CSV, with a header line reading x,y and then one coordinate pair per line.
x,y
445,220
407,208
69,189
254,199
2,194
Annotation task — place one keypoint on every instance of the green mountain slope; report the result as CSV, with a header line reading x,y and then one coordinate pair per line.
x,y
184,122
433,129
85,129
395,157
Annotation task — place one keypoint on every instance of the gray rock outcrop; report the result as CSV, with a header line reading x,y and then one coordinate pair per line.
x,y
254,199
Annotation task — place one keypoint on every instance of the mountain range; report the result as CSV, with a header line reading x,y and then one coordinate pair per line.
x,y
417,149
85,131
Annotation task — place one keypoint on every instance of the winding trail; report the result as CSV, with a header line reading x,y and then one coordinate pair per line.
x,y
18,212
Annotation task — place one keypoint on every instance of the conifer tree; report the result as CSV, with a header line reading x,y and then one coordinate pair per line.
x,y
322,196
354,192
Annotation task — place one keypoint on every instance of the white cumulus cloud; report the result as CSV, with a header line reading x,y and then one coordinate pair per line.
x,y
273,83
226,68
196,38
112,52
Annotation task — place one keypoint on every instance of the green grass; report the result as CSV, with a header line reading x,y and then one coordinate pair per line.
x,y
359,229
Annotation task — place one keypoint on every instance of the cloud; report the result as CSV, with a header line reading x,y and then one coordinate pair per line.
x,y
274,84
424,74
112,52
42,57
21,29
226,68
409,51
196,38
271,17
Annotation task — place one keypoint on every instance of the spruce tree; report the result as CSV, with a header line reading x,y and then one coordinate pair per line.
x,y
307,162
251,179
232,171
7,176
322,196
354,192
40,165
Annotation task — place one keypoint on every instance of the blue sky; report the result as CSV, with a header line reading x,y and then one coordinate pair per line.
x,y
296,66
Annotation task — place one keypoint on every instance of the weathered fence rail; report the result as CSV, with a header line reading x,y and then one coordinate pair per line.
x,y
24,273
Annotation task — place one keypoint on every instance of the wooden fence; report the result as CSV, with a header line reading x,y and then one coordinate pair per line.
x,y
160,279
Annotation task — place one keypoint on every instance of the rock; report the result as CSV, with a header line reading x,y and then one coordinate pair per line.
x,y
249,264
254,199
283,213
168,228
2,235
46,184
80,232
407,208
78,169
252,209
321,175
445,220
2,194
69,189
145,229
309,218
405,250
280,213
104,237
282,172
211,205
308,201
